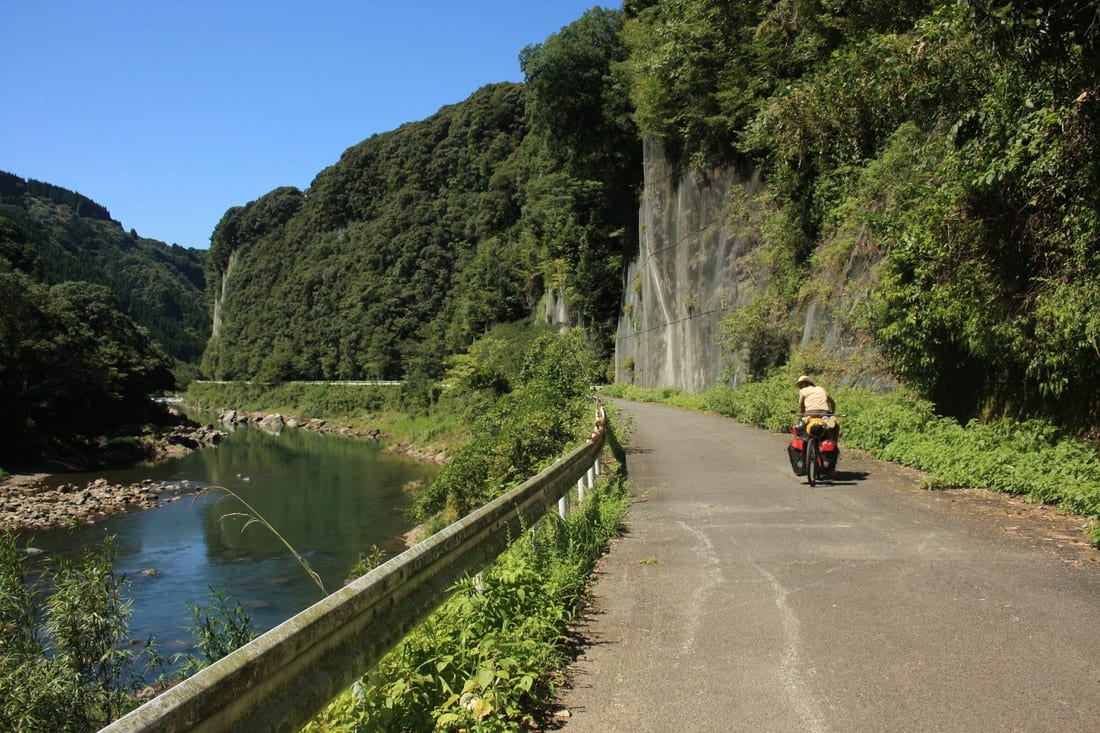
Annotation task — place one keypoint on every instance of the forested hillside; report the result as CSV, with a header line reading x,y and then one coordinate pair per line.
x,y
954,143
73,238
89,314
421,238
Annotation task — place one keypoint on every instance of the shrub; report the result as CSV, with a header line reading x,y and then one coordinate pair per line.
x,y
63,661
491,656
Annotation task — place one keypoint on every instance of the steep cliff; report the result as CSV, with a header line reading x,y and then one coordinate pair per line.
x,y
700,258
694,266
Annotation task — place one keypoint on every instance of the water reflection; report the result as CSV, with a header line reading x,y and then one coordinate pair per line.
x,y
329,497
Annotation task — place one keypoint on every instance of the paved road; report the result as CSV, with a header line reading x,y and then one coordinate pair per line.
x,y
741,599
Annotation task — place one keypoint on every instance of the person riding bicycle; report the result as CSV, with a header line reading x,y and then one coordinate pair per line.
x,y
814,401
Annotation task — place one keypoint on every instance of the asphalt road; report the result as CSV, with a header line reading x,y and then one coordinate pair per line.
x,y
741,599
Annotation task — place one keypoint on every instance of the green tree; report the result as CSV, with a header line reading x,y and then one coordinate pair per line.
x,y
584,163
72,366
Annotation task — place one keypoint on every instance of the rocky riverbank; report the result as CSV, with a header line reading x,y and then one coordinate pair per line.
x,y
31,502
35,501
276,422
27,505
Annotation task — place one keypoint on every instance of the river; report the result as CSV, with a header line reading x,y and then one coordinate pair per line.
x,y
329,497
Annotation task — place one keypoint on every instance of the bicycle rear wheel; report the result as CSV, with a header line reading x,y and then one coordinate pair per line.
x,y
812,466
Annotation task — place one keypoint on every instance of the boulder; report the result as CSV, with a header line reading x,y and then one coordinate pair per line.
x,y
273,424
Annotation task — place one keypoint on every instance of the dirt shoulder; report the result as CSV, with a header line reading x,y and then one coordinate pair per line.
x,y
1042,526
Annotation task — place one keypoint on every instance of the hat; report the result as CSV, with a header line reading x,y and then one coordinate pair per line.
x,y
805,379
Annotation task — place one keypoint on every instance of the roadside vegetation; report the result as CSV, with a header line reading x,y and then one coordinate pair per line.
x,y
1031,458
67,662
489,659
492,657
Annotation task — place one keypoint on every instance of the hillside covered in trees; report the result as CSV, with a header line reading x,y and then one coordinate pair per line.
x,y
955,141
95,320
421,238
73,238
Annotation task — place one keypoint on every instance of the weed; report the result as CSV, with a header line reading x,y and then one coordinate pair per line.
x,y
218,629
253,517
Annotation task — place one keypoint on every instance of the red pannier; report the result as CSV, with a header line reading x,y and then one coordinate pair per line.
x,y
797,453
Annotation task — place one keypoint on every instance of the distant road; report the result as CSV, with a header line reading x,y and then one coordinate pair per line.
x,y
740,599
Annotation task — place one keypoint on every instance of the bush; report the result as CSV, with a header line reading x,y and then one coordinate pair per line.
x,y
66,663
547,409
63,661
490,658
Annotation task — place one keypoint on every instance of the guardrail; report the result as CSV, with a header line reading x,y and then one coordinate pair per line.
x,y
282,679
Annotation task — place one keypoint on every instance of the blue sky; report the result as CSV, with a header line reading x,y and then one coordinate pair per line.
x,y
168,112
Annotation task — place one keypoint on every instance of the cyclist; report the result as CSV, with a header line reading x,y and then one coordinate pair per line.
x,y
815,401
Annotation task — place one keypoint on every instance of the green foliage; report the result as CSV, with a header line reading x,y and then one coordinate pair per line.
x,y
701,70
421,239
64,236
757,336
362,406
490,658
66,660
548,407
582,164
76,357
396,256
953,141
72,367
367,561
218,629
303,399
63,661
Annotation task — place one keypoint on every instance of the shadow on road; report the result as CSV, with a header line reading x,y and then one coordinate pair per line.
x,y
844,478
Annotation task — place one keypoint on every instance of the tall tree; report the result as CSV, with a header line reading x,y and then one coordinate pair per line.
x,y
584,163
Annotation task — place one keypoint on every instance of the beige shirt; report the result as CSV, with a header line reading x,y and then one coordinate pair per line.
x,y
814,399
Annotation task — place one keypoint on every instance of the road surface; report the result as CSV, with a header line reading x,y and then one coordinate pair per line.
x,y
741,599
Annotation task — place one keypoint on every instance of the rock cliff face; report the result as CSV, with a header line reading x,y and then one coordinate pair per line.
x,y
699,259
219,300
697,236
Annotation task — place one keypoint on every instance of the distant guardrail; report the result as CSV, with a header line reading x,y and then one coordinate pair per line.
x,y
353,383
282,679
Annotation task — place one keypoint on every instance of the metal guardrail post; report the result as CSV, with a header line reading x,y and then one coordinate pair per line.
x,y
281,680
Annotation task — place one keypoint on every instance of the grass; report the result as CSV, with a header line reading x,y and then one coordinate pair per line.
x,y
491,657
360,407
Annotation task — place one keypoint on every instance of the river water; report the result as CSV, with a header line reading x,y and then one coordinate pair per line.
x,y
329,497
